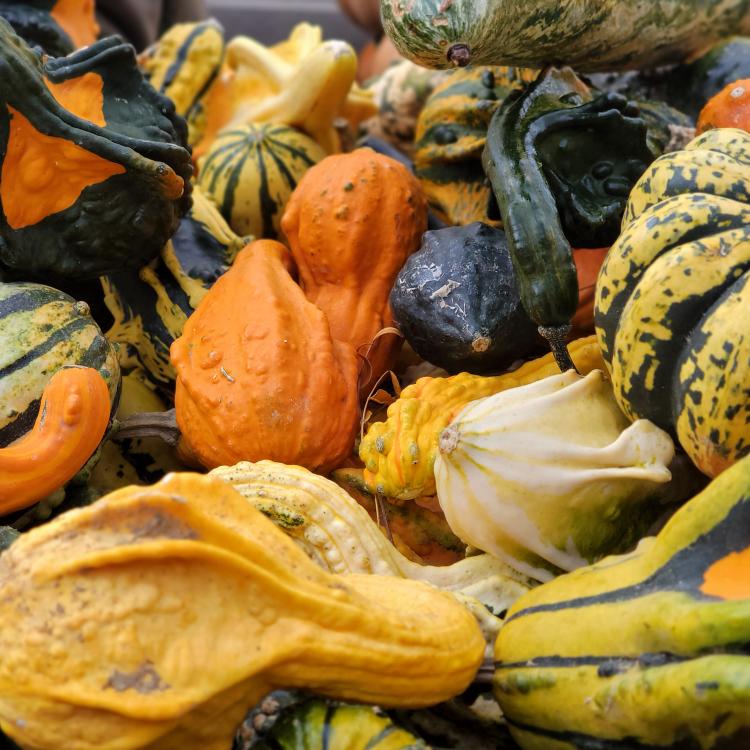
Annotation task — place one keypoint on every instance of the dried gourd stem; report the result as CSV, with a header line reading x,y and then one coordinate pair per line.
x,y
556,337
162,425
381,515
459,55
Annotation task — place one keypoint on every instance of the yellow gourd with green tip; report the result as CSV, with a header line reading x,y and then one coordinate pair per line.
x,y
155,618
647,650
399,454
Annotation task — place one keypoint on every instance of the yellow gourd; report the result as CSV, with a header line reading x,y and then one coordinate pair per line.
x,y
155,618
399,454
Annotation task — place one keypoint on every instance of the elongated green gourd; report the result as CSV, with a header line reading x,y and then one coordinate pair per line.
x,y
587,34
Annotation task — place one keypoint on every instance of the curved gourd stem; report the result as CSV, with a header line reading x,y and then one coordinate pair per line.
x,y
161,425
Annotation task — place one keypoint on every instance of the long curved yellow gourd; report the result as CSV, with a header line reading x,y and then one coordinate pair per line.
x,y
155,618
337,533
399,454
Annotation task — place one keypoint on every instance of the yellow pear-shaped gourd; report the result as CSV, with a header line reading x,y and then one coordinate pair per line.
x,y
551,475
399,454
337,532
158,616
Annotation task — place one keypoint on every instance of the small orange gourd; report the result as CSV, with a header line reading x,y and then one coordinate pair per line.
x,y
351,223
730,108
259,374
73,417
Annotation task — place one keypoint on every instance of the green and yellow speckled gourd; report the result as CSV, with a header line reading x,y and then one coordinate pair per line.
x,y
671,299
590,35
182,65
150,306
450,136
250,171
94,173
551,476
99,594
647,650
399,454
43,330
337,533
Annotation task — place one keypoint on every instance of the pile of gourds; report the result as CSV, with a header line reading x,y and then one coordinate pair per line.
x,y
376,417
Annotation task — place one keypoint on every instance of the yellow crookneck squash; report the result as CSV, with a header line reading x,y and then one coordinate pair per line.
x,y
673,295
351,224
73,417
647,650
155,618
399,453
260,373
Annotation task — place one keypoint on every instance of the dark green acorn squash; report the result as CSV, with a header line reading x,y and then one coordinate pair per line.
x,y
43,330
561,164
457,302
150,305
644,651
94,173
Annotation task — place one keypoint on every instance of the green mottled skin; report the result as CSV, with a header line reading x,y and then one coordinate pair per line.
x,y
589,35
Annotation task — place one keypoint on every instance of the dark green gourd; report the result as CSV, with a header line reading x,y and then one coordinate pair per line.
x,y
457,301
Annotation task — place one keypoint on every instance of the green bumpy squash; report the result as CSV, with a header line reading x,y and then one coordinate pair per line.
x,y
643,651
94,173
590,35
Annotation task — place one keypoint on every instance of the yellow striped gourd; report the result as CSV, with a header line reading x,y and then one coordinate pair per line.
x,y
644,651
672,299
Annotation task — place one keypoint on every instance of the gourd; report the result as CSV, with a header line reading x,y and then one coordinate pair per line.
x,y
117,580
73,417
551,476
94,174
314,724
456,301
450,136
351,224
183,65
640,650
727,109
589,35
268,379
339,535
57,26
140,460
561,166
670,298
150,305
303,82
43,330
399,454
250,172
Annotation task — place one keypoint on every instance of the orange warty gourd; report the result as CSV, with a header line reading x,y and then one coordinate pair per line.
x,y
730,108
259,374
351,223
73,417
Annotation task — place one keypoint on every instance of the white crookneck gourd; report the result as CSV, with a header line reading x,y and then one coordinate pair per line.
x,y
338,533
551,476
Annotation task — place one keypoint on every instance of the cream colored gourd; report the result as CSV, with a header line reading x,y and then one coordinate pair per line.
x,y
551,475
337,533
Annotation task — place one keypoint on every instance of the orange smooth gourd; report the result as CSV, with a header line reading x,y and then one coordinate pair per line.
x,y
73,417
78,20
730,108
259,374
351,223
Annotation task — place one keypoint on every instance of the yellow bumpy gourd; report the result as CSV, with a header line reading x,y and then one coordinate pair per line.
x,y
399,454
157,616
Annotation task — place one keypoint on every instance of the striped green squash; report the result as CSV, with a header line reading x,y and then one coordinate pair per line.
x,y
673,297
43,330
589,35
150,306
644,651
313,724
250,172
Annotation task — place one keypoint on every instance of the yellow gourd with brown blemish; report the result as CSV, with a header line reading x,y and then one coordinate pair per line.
x,y
399,454
73,418
156,617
